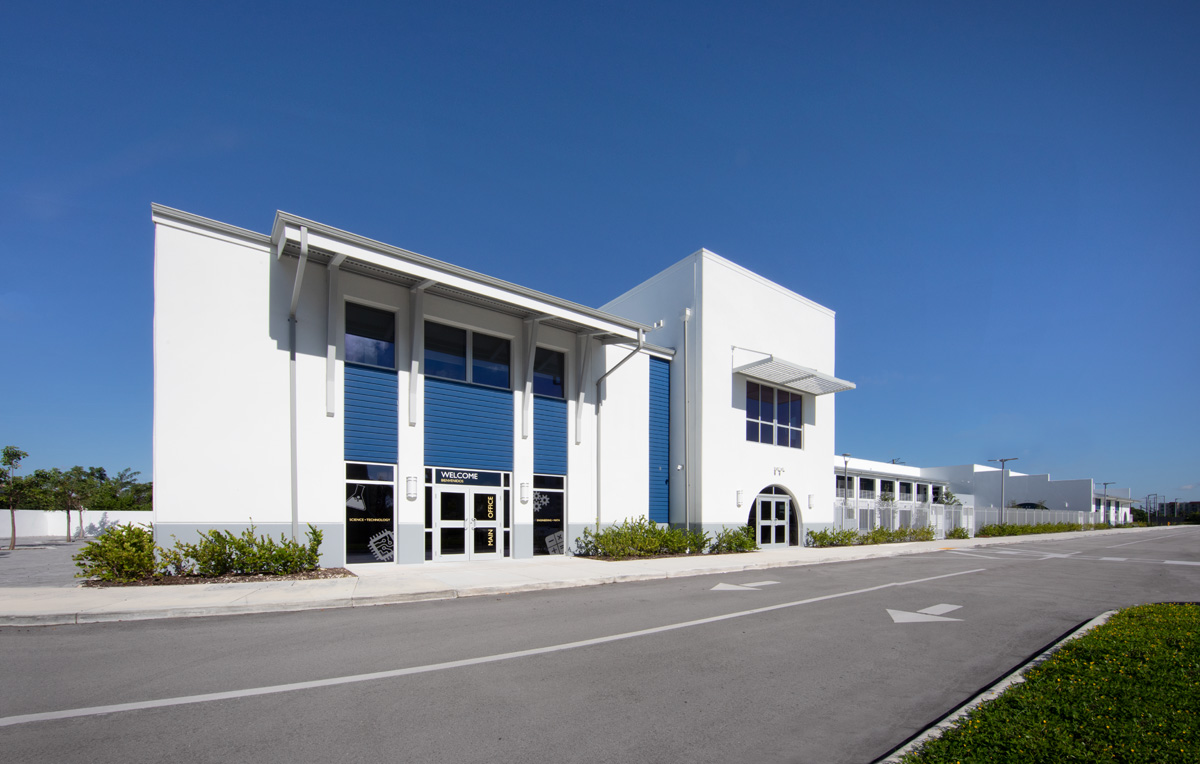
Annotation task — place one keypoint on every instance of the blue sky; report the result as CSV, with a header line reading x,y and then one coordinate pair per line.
x,y
1000,200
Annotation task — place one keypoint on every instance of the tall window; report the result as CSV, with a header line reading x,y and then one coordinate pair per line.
x,y
467,356
370,336
774,415
548,372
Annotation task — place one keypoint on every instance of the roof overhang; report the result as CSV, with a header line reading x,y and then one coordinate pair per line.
x,y
776,371
399,266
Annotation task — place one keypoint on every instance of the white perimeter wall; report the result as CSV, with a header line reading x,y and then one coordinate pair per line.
x,y
32,523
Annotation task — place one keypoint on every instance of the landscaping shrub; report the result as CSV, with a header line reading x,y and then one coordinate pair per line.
x,y
641,537
876,536
957,533
830,537
220,553
1005,529
126,553
121,553
922,533
730,540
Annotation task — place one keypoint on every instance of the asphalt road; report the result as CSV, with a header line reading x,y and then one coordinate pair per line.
x,y
810,668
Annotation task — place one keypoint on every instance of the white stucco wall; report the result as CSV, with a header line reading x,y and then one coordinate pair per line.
x,y
221,439
743,310
732,307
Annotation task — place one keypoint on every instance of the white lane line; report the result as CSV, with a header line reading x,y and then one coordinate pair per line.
x,y
71,713
974,554
1114,559
1179,562
1141,541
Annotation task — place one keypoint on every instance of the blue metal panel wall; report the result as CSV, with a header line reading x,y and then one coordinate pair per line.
x,y
660,432
549,436
371,411
468,426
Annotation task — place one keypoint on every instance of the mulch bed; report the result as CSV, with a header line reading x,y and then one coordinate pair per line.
x,y
308,575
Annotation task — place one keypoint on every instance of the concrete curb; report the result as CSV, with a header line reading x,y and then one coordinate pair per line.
x,y
997,689
418,587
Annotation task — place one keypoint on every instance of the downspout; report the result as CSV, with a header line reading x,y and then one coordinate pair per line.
x,y
292,375
641,342
687,453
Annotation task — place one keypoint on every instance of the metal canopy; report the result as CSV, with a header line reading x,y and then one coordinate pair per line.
x,y
777,371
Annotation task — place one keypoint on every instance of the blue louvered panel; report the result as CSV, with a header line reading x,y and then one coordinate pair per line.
x,y
371,412
468,426
660,444
549,436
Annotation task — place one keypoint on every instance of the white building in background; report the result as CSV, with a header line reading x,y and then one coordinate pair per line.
x,y
863,484
416,411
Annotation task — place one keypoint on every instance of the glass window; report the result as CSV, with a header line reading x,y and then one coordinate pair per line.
x,y
489,360
382,472
548,368
549,504
445,351
774,416
370,512
370,336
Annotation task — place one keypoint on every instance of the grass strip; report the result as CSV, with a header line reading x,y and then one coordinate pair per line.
x,y
1128,691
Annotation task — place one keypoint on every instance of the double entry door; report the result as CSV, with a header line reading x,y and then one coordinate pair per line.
x,y
467,523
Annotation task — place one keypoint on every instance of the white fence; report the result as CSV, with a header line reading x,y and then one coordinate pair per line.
x,y
993,516
32,523
864,516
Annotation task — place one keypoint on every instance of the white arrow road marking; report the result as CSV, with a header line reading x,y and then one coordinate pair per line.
x,y
741,587
939,609
928,614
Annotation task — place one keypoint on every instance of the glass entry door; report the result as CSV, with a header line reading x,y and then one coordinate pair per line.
x,y
468,523
772,514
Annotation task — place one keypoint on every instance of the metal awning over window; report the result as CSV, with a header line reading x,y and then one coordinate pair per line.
x,y
776,371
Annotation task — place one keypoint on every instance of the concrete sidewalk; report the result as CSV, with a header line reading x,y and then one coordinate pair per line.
x,y
387,584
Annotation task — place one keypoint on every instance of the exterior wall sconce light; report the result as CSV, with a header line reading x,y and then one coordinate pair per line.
x,y
524,493
739,498
410,484
810,501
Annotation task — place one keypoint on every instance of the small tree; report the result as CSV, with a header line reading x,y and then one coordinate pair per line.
x,y
948,498
10,459
73,489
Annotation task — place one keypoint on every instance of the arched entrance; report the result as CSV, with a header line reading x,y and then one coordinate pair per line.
x,y
774,518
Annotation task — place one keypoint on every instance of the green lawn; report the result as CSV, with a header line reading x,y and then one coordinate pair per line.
x,y
1128,691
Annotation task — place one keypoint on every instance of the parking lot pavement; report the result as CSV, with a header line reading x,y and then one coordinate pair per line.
x,y
39,561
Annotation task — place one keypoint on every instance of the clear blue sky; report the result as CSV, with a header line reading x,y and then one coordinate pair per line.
x,y
1000,200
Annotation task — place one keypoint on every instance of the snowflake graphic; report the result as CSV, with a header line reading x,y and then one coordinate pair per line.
x,y
382,545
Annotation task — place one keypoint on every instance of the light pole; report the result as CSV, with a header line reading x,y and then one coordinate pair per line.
x,y
1003,474
845,488
1106,485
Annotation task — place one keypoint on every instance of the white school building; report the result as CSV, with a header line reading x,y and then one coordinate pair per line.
x,y
415,411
